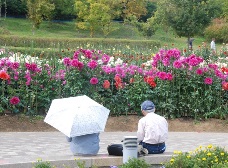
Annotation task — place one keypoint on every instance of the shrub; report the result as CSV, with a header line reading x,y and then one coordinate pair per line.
x,y
135,163
210,157
179,85
41,164
217,30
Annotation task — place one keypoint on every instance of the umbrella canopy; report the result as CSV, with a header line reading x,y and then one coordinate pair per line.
x,y
76,116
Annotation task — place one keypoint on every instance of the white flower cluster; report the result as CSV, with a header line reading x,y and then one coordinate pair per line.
x,y
112,62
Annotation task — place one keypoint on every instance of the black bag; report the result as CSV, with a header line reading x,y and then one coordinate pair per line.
x,y
115,149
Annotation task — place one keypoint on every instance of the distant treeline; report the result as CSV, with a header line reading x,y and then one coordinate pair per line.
x,y
64,9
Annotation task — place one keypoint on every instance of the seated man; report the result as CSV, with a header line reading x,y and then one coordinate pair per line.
x,y
152,129
85,144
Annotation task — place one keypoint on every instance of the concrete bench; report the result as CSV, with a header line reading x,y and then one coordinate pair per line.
x,y
101,160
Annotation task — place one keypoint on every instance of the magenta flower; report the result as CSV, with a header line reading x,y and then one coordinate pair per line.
x,y
213,66
76,53
193,62
16,75
208,81
107,69
166,62
32,67
94,81
92,64
15,65
88,53
28,77
64,82
80,65
60,75
162,75
14,100
105,59
8,63
67,61
177,64
169,76
199,71
74,63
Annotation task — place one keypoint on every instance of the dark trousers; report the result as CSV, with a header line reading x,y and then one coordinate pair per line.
x,y
154,148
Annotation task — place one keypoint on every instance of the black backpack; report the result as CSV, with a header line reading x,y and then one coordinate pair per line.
x,y
115,149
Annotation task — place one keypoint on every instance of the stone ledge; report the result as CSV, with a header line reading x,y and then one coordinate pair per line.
x,y
101,160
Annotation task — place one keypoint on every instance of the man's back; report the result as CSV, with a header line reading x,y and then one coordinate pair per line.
x,y
155,128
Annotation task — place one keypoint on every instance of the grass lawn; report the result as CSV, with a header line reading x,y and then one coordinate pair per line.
x,y
23,27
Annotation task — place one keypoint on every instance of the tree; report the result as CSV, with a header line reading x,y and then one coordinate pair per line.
x,y
135,8
64,9
5,7
151,8
223,8
93,15
16,8
187,17
160,17
39,10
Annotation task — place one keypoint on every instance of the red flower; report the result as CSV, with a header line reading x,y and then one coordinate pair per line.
x,y
224,70
117,79
150,81
119,85
225,85
4,75
106,84
14,100
152,84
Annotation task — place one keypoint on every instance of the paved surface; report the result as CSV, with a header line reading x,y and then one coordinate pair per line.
x,y
22,147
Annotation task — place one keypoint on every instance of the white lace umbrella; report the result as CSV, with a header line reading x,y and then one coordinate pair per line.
x,y
75,116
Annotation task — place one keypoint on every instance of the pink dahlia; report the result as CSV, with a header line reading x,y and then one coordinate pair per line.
x,y
208,81
92,64
14,100
94,81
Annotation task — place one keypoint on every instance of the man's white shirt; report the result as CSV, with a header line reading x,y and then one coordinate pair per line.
x,y
213,45
152,129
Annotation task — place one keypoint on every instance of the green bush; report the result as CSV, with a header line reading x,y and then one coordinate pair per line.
x,y
135,163
180,86
41,164
202,157
73,43
217,30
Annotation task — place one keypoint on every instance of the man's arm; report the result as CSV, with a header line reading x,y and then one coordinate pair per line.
x,y
140,132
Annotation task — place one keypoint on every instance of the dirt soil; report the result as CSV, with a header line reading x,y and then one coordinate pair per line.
x,y
122,123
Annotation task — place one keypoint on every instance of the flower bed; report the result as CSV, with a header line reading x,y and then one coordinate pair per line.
x,y
179,84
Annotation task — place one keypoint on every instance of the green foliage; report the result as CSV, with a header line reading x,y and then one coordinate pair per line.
x,y
218,30
16,8
41,164
223,6
56,46
151,8
211,157
187,18
174,97
39,11
135,163
134,8
64,9
93,15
